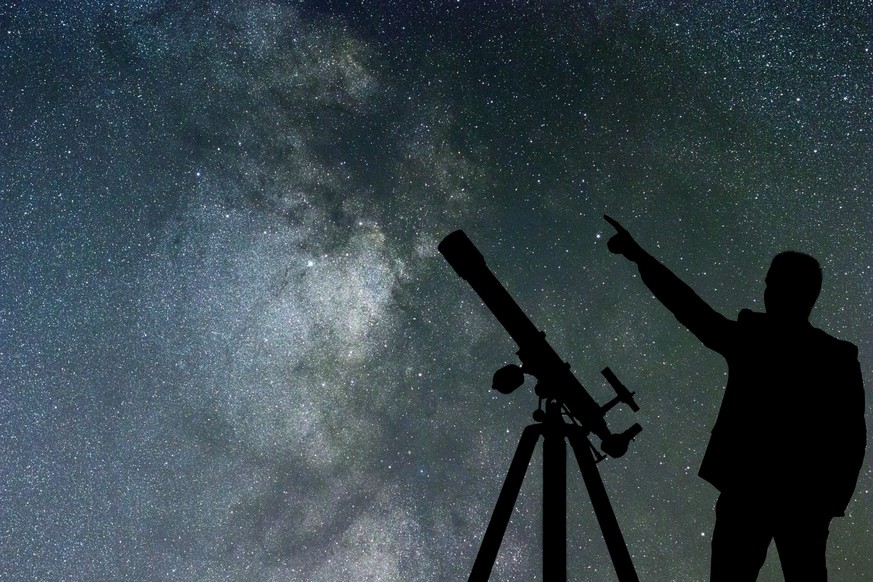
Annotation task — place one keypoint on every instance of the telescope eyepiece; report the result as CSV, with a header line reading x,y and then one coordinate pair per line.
x,y
616,445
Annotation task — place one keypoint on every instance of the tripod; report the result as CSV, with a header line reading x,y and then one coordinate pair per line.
x,y
551,426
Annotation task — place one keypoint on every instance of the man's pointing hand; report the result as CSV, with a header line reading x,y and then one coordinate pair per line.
x,y
622,243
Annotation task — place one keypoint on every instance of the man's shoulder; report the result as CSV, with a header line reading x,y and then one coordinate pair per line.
x,y
754,322
749,317
835,345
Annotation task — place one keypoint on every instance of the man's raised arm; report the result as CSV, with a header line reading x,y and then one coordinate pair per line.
x,y
712,328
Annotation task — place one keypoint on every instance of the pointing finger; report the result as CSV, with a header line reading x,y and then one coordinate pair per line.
x,y
614,223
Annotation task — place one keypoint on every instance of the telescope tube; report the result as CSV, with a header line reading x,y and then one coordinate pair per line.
x,y
538,357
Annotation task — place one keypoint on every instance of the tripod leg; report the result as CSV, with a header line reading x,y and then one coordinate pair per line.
x,y
505,503
554,497
624,567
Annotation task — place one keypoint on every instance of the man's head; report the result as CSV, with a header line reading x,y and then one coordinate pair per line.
x,y
793,285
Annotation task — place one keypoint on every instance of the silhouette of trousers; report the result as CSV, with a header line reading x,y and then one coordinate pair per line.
x,y
744,527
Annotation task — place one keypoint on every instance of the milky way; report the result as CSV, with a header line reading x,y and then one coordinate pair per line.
x,y
231,351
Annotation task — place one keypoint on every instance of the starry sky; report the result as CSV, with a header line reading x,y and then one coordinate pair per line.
x,y
229,348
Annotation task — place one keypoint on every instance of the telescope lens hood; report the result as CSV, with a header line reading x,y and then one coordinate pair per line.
x,y
462,254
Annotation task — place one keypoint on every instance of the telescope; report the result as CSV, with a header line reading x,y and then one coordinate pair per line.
x,y
564,396
555,380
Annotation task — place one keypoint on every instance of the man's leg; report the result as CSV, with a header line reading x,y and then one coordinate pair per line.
x,y
739,541
802,542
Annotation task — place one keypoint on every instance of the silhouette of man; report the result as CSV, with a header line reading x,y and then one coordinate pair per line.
x,y
789,440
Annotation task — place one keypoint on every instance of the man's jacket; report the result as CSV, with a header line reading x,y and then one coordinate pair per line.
x,y
791,425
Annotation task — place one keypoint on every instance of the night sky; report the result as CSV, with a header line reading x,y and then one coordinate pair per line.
x,y
229,348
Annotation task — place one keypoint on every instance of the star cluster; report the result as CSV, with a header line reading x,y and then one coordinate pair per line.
x,y
230,350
